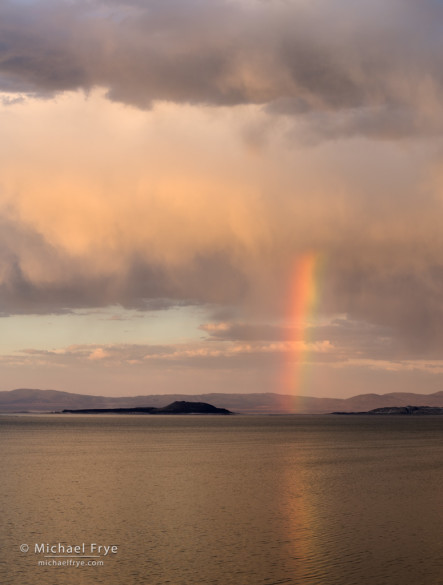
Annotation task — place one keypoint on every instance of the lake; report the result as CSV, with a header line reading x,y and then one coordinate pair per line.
x,y
207,500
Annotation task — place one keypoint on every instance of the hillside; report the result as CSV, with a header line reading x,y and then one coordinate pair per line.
x,y
177,407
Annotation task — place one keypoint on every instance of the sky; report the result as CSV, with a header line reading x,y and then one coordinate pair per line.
x,y
221,196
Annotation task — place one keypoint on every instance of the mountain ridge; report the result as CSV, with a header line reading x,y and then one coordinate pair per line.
x,y
37,400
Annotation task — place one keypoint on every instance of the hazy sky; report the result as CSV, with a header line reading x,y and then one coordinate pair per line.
x,y
221,196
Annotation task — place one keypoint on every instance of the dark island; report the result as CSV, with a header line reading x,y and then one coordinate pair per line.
x,y
177,407
403,410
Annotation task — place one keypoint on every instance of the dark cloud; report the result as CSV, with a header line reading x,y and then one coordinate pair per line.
x,y
378,63
405,300
37,278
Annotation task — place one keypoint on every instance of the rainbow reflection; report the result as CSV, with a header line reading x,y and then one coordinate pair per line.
x,y
303,298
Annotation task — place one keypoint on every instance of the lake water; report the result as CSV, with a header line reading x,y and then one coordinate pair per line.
x,y
241,500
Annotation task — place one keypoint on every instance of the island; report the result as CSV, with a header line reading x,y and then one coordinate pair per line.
x,y
402,410
177,407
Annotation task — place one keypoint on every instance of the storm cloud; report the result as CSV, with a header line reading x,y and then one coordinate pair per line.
x,y
377,65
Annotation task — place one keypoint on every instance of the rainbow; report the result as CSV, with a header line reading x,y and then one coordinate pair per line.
x,y
302,302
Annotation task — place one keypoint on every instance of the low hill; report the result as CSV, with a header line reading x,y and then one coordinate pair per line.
x,y
400,410
177,407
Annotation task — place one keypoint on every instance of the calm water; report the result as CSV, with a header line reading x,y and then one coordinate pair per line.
x,y
238,500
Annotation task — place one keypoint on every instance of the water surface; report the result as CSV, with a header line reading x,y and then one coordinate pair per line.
x,y
243,500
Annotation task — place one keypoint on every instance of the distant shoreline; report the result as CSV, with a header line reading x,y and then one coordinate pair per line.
x,y
54,401
399,410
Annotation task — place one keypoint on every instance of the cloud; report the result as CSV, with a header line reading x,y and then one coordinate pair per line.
x,y
353,60
392,336
98,354
342,337
340,342
177,212
181,355
38,278
323,134
250,332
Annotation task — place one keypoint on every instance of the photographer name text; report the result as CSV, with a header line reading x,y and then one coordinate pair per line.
x,y
76,549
